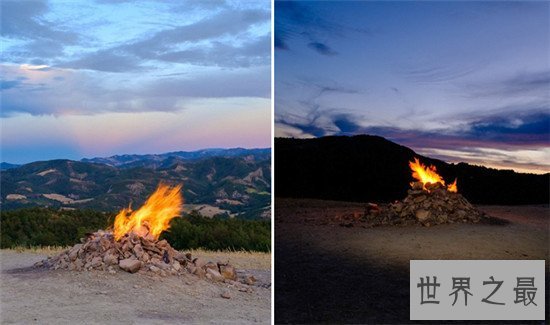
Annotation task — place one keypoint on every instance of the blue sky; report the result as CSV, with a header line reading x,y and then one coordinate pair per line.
x,y
460,81
97,78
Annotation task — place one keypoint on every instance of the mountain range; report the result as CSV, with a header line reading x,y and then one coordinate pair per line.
x,y
234,182
371,168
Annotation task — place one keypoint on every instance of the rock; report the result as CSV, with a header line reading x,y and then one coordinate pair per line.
x,y
199,262
211,265
176,265
189,256
228,272
226,295
216,276
249,279
138,250
419,199
154,269
422,215
199,271
110,259
162,266
417,186
130,265
73,253
96,261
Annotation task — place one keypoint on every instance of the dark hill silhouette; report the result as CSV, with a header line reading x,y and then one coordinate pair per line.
x,y
371,168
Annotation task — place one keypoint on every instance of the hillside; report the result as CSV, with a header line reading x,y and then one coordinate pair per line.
x,y
236,185
371,168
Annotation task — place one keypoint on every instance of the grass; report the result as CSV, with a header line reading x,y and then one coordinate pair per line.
x,y
239,259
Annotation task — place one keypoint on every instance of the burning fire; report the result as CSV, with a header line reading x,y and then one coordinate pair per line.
x,y
429,174
153,217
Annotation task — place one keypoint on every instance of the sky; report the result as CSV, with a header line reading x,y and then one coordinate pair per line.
x,y
99,78
463,81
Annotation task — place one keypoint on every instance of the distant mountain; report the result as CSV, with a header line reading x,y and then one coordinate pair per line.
x,y
238,185
157,160
5,165
371,168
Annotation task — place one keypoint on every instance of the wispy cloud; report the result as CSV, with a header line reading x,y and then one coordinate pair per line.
x,y
299,21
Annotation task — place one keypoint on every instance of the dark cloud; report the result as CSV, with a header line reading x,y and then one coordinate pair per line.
x,y
164,45
308,128
107,61
227,22
346,123
517,129
514,128
321,48
302,21
8,84
24,20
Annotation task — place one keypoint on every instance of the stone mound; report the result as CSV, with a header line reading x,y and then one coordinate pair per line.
x,y
430,206
132,253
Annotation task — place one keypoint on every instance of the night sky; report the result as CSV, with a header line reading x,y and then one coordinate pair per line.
x,y
98,78
459,81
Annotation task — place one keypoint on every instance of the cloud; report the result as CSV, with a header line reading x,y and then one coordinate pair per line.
x,y
346,124
25,20
222,39
8,84
535,83
321,48
75,92
251,53
105,60
304,22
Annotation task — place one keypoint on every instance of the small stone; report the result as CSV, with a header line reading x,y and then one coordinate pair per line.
x,y
250,279
129,265
226,295
154,269
176,265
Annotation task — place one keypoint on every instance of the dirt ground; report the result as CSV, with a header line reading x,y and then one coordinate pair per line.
x,y
38,296
328,273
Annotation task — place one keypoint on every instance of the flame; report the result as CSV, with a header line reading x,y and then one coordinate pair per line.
x,y
452,187
429,174
153,217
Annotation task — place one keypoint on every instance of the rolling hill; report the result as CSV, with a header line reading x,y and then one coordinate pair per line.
x,y
234,182
371,168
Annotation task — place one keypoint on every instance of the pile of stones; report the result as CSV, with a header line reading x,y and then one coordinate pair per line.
x,y
427,205
133,253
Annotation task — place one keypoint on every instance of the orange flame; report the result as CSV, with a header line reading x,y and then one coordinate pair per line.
x,y
452,187
153,217
429,174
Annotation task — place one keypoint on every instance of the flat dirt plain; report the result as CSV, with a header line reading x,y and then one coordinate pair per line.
x,y
328,273
38,296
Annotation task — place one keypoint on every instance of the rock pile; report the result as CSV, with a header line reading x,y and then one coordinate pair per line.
x,y
431,206
132,253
